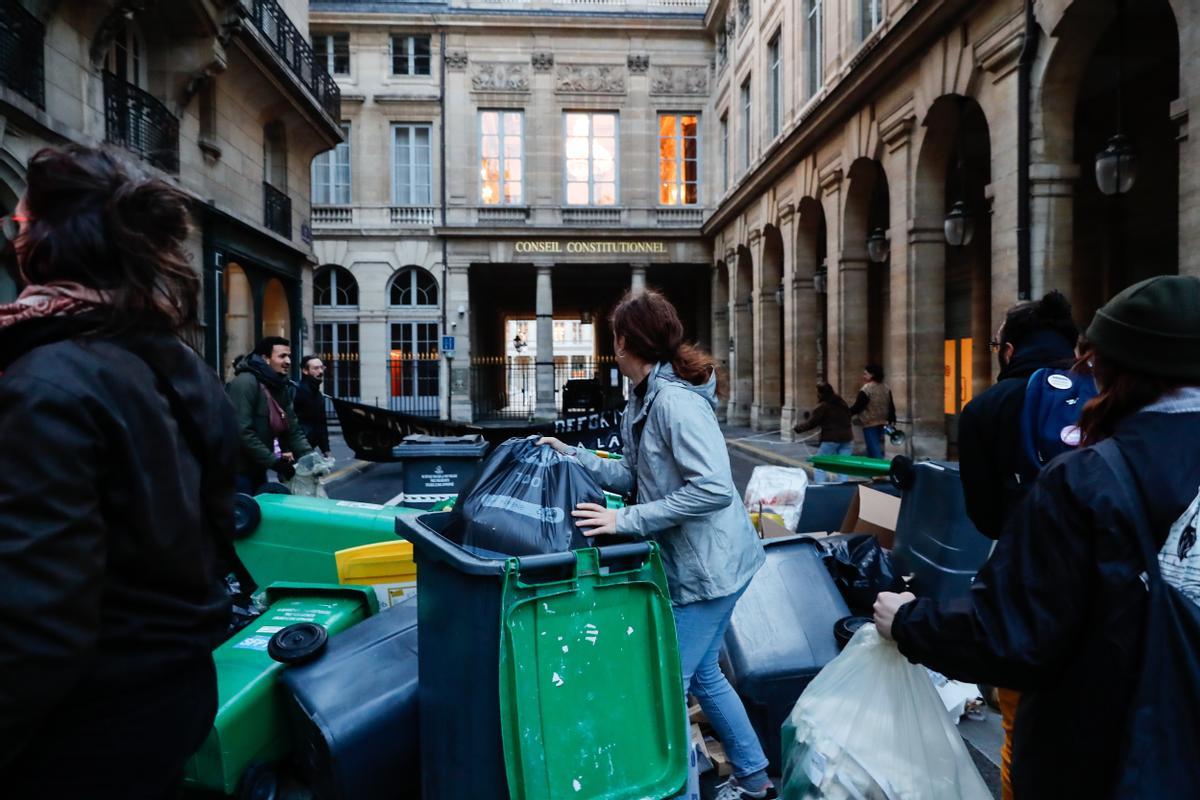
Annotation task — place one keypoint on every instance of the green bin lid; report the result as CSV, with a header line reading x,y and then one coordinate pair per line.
x,y
861,466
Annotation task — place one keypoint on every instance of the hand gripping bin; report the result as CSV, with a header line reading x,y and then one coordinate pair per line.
x,y
250,725
353,712
935,540
781,635
552,676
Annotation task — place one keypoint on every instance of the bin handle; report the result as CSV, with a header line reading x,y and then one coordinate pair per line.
x,y
561,566
629,550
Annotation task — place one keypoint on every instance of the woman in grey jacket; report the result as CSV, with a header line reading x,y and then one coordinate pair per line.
x,y
677,466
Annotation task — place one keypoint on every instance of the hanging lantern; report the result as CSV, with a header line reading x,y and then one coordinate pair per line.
x,y
959,225
877,246
1116,166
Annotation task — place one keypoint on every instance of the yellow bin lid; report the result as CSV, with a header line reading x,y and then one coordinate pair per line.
x,y
376,563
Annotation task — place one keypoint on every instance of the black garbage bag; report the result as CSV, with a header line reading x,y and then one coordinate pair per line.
x,y
520,503
860,568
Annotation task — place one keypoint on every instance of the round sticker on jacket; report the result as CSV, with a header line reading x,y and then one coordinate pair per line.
x,y
1071,435
1059,382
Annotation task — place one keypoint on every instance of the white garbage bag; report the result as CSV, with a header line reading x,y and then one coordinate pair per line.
x,y
310,469
778,490
871,726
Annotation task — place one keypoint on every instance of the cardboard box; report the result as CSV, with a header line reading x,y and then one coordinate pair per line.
x,y
875,512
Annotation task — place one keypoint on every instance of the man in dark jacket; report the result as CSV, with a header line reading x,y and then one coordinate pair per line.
x,y
310,403
1033,336
262,398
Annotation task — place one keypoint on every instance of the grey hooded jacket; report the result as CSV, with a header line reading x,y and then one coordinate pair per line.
x,y
686,498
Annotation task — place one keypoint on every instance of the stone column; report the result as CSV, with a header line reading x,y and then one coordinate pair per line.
x,y
927,332
848,336
1052,187
836,359
637,280
741,339
898,164
720,333
789,413
765,313
544,309
457,288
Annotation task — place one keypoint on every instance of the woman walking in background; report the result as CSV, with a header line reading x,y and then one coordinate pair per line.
x,y
677,466
832,417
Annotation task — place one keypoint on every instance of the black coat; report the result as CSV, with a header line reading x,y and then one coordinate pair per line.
x,y
108,566
989,431
310,411
1059,610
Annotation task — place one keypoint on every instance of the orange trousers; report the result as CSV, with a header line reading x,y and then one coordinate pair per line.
x,y
1009,699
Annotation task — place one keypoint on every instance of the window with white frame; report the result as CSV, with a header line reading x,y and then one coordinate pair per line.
x,y
333,52
774,87
410,55
331,174
412,158
870,17
678,160
501,170
413,286
126,54
815,39
334,286
725,151
336,343
744,133
591,159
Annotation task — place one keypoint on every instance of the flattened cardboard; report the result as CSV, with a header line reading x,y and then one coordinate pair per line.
x,y
875,512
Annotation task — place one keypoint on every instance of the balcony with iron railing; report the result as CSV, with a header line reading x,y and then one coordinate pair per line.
x,y
139,122
295,51
277,211
329,218
22,56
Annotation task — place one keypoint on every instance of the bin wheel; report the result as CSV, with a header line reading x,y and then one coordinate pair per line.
x,y
246,515
272,487
259,782
298,643
902,473
845,628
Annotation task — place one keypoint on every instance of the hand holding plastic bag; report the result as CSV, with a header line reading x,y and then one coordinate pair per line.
x,y
309,471
872,727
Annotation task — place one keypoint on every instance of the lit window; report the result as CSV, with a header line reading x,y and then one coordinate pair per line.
x,y
334,286
500,148
413,286
412,174
336,343
331,174
591,159
333,52
410,55
678,160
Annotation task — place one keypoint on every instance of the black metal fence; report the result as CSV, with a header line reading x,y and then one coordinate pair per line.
x,y
505,387
22,57
137,121
298,54
277,211
414,386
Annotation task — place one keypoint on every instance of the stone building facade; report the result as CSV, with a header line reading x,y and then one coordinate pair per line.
x,y
220,97
856,128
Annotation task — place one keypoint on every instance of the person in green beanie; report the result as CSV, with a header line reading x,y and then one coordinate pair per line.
x,y
1090,603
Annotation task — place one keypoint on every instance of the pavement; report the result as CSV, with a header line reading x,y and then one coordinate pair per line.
x,y
347,465
769,447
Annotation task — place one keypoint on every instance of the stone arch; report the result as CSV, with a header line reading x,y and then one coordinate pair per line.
x,y
952,358
769,335
741,326
334,285
808,336
865,285
276,310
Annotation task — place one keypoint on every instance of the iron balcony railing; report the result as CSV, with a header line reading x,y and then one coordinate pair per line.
x,y
22,57
137,121
297,53
277,211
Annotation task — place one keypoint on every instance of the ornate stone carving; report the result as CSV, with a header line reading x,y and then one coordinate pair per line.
x,y
456,59
679,80
496,77
638,64
542,62
590,79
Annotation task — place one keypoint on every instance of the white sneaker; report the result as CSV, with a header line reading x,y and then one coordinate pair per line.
x,y
729,790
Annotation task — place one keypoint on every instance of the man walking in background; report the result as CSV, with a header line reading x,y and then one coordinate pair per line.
x,y
874,408
310,403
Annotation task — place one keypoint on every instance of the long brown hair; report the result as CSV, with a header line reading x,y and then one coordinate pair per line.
x,y
652,331
1123,392
96,222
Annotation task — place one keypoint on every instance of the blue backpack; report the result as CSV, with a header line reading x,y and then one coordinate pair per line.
x,y
1054,401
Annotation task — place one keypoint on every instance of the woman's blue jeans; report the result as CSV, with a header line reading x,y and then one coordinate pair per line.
x,y
831,449
701,630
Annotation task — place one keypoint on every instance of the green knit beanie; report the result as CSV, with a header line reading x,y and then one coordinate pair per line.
x,y
1153,327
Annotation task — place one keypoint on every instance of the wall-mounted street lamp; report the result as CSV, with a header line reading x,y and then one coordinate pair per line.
x,y
877,246
779,294
959,225
1116,164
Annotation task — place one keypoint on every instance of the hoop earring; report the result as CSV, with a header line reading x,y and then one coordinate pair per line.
x,y
620,354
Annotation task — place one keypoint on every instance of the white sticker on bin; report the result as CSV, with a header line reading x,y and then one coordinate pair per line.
x,y
253,643
269,629
354,504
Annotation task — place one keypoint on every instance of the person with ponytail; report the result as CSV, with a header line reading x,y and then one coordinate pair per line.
x,y
116,488
1090,603
676,466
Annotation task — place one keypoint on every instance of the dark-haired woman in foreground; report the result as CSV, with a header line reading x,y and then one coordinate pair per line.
x,y
677,465
1089,604
116,483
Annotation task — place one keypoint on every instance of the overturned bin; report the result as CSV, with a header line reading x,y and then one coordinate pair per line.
x,y
546,676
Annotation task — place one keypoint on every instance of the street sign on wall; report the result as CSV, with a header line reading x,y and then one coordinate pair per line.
x,y
448,347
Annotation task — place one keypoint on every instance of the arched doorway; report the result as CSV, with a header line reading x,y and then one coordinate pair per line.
x,y
768,334
742,327
1127,85
866,294
953,269
809,292
276,312
239,317
720,327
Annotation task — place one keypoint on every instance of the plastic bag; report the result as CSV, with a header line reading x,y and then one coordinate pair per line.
x,y
779,490
860,568
871,726
520,503
310,469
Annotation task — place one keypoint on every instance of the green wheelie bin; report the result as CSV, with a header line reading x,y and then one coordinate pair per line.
x,y
284,537
251,725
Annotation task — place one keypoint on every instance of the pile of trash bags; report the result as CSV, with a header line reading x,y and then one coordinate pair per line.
x,y
860,568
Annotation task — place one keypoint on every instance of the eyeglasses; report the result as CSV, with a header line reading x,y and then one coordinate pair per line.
x,y
995,346
10,227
